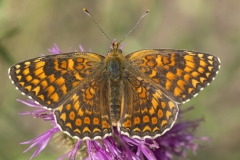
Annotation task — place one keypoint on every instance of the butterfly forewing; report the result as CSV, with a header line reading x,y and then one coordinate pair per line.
x,y
49,79
180,74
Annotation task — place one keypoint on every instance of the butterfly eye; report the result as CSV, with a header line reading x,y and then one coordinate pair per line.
x,y
109,51
119,50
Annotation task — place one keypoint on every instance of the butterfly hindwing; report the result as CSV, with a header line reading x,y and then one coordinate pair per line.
x,y
147,112
85,115
181,74
49,79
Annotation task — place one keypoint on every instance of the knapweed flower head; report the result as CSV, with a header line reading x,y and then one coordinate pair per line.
x,y
174,143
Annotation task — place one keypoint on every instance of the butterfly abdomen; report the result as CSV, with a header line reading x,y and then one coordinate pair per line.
x,y
115,103
115,87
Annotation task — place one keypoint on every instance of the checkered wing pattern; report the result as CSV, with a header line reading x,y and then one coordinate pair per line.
x,y
50,80
147,112
85,115
179,74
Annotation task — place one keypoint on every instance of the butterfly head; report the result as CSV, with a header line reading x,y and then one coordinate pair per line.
x,y
115,51
115,45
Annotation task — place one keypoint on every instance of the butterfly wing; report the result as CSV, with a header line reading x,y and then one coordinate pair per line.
x,y
146,111
49,79
85,115
180,74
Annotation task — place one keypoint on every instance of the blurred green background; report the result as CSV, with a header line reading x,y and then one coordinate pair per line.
x,y
29,28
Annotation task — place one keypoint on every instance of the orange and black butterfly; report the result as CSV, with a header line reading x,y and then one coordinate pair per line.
x,y
138,93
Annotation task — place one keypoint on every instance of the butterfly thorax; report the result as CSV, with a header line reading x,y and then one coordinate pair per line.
x,y
114,74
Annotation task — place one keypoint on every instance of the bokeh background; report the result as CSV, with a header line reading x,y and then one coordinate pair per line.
x,y
29,28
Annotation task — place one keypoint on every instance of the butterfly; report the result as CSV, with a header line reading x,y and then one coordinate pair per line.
x,y
139,94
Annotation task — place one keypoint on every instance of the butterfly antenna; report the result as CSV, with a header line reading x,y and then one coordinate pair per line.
x,y
135,25
86,11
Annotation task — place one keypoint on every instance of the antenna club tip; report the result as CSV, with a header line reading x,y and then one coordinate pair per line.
x,y
86,11
148,11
